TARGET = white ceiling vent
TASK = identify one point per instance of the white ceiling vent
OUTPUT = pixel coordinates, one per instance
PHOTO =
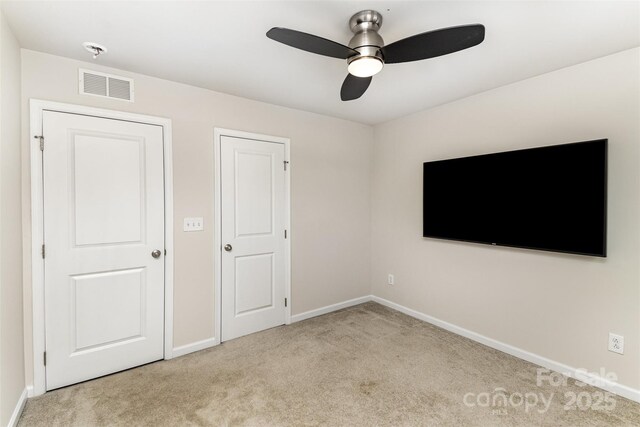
(105, 85)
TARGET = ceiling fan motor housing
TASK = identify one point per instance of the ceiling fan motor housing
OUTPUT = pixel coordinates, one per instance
(365, 24)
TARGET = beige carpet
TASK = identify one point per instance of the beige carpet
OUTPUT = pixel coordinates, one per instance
(366, 365)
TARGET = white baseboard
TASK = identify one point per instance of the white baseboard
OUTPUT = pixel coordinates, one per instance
(328, 309)
(596, 380)
(193, 347)
(210, 342)
(15, 417)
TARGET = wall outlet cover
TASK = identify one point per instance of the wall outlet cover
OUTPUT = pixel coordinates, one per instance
(616, 343)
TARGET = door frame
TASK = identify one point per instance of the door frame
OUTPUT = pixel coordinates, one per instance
(218, 133)
(37, 109)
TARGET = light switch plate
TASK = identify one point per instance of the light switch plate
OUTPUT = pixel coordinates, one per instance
(193, 224)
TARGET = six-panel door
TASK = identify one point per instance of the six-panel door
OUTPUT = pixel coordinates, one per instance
(103, 218)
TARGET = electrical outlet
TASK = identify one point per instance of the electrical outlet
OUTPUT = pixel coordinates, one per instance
(390, 279)
(616, 343)
(193, 224)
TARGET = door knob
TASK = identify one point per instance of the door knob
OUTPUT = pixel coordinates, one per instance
(228, 247)
(156, 253)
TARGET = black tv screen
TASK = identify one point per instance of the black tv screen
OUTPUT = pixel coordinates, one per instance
(550, 198)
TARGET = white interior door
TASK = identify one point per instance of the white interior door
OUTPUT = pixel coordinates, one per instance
(253, 235)
(103, 218)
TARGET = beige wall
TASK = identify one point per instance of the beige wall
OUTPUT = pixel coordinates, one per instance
(558, 306)
(11, 327)
(330, 186)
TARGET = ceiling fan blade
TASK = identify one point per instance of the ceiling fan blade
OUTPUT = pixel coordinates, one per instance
(354, 87)
(433, 43)
(310, 43)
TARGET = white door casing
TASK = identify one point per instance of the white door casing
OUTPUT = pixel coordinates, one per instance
(253, 218)
(104, 216)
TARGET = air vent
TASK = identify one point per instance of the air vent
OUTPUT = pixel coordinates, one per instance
(105, 85)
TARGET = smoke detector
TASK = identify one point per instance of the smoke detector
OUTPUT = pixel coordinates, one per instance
(95, 49)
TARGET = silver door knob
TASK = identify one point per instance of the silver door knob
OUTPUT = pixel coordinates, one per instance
(228, 247)
(156, 253)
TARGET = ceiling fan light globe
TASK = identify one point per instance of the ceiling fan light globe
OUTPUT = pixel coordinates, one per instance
(365, 66)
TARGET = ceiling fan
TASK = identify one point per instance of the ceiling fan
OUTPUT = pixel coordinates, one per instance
(367, 54)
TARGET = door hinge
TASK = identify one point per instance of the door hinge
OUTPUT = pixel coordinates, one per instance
(43, 251)
(285, 302)
(286, 162)
(45, 358)
(285, 234)
(41, 138)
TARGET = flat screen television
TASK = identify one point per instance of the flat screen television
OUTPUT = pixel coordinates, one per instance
(549, 198)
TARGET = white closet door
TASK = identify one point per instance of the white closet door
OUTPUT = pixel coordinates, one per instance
(104, 242)
(253, 226)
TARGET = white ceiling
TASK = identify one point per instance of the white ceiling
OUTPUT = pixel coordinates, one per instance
(222, 45)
